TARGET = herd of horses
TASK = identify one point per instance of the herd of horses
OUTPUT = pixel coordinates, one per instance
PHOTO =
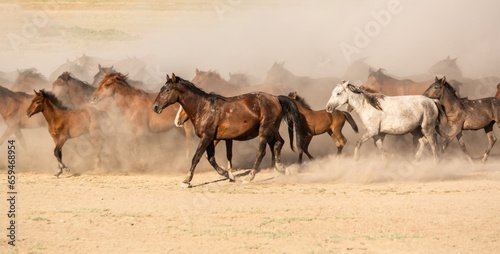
(215, 109)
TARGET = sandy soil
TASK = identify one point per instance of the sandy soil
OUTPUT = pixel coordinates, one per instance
(274, 214)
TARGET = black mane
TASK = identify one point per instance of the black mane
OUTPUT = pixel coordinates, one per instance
(302, 101)
(52, 98)
(196, 89)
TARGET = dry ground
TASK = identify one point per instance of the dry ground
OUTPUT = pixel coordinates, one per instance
(275, 214)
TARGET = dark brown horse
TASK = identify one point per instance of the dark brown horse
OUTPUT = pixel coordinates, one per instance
(316, 122)
(464, 114)
(388, 85)
(29, 79)
(12, 105)
(242, 117)
(66, 124)
(135, 105)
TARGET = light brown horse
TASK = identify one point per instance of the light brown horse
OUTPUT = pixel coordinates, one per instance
(211, 81)
(29, 79)
(497, 95)
(316, 122)
(12, 105)
(388, 85)
(242, 117)
(66, 124)
(135, 106)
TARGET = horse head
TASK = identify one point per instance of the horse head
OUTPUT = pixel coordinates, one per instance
(166, 96)
(339, 96)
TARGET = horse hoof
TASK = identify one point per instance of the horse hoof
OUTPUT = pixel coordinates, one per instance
(231, 177)
(185, 185)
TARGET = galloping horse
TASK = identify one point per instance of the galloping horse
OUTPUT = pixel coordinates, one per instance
(395, 115)
(65, 124)
(464, 114)
(316, 122)
(72, 91)
(12, 105)
(242, 117)
(135, 104)
(388, 85)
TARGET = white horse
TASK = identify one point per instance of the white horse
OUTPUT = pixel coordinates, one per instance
(395, 115)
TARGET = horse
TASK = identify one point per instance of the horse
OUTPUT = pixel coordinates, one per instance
(447, 67)
(306, 86)
(390, 86)
(394, 115)
(82, 67)
(497, 95)
(99, 76)
(242, 117)
(134, 105)
(316, 122)
(66, 124)
(464, 114)
(211, 81)
(29, 79)
(12, 105)
(244, 79)
(357, 71)
(72, 91)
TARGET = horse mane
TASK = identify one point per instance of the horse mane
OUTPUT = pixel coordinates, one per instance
(373, 99)
(5, 92)
(89, 90)
(301, 100)
(196, 89)
(452, 90)
(52, 98)
(368, 89)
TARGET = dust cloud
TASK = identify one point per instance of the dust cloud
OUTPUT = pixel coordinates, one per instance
(315, 39)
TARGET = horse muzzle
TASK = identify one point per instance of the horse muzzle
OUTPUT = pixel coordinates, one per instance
(157, 108)
(29, 113)
(330, 108)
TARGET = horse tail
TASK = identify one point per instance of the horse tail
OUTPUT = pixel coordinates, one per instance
(292, 116)
(351, 121)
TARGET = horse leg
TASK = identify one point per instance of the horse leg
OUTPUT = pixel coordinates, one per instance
(277, 146)
(260, 154)
(20, 136)
(6, 134)
(307, 141)
(188, 129)
(379, 142)
(363, 139)
(422, 141)
(211, 159)
(229, 156)
(205, 141)
(431, 137)
(96, 141)
(461, 141)
(58, 154)
(338, 138)
(491, 141)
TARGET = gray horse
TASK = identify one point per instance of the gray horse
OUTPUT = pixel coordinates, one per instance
(395, 115)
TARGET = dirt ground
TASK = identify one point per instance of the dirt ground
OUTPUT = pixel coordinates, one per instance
(94, 213)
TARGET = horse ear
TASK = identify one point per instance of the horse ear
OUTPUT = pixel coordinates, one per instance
(448, 58)
(36, 94)
(174, 79)
(66, 76)
(99, 66)
(294, 95)
(104, 71)
(436, 79)
(197, 71)
(443, 80)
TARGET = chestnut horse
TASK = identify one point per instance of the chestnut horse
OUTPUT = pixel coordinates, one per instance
(464, 114)
(12, 105)
(388, 85)
(29, 79)
(135, 106)
(66, 124)
(316, 122)
(242, 117)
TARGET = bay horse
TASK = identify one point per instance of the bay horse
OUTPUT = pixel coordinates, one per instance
(135, 104)
(316, 122)
(29, 79)
(390, 86)
(241, 117)
(464, 114)
(66, 124)
(394, 115)
(12, 105)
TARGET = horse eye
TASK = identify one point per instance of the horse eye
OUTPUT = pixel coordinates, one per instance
(338, 93)
(38, 102)
(107, 85)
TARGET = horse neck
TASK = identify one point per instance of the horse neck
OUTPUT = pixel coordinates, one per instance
(449, 100)
(76, 92)
(356, 101)
(191, 101)
(51, 112)
(123, 95)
